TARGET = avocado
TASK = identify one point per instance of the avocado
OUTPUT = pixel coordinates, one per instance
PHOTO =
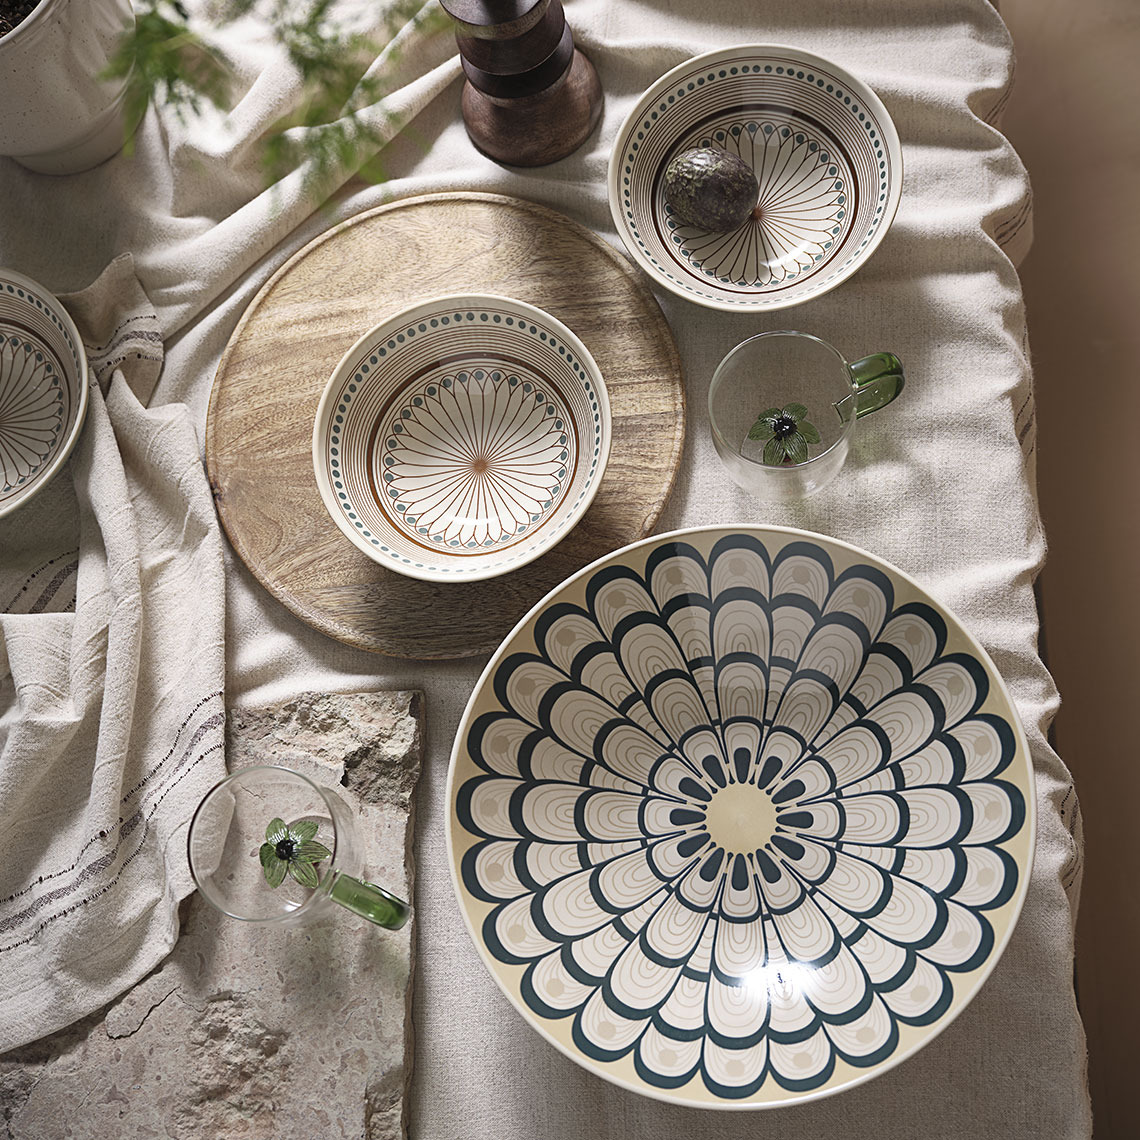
(710, 188)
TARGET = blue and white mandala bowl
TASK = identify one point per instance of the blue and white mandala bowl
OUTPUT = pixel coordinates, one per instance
(740, 817)
(462, 438)
(827, 161)
(43, 388)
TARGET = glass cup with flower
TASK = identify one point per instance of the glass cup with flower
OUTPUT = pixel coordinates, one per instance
(269, 845)
(783, 408)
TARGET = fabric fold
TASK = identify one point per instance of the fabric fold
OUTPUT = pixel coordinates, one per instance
(111, 706)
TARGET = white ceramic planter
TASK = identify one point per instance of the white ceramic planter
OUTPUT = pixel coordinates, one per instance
(56, 115)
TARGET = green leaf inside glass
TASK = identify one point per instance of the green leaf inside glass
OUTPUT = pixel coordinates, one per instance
(292, 850)
(786, 433)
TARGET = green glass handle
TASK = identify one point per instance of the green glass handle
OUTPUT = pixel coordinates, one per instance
(878, 379)
(371, 902)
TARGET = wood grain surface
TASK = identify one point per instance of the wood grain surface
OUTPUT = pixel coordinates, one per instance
(260, 421)
(537, 129)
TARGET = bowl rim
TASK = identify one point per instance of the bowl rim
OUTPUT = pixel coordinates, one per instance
(857, 87)
(409, 313)
(82, 382)
(760, 530)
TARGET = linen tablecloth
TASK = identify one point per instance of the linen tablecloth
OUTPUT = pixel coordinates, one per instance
(112, 668)
(942, 484)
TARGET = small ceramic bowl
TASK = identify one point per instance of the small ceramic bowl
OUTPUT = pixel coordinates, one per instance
(827, 160)
(462, 438)
(43, 388)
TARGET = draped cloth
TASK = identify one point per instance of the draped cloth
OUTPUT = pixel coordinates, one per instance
(941, 484)
(112, 670)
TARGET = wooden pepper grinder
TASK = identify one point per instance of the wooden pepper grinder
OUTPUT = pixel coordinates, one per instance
(530, 97)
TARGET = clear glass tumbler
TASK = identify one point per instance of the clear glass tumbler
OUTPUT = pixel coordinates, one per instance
(253, 824)
(775, 371)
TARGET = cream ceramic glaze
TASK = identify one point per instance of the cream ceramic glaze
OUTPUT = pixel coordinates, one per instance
(462, 438)
(43, 388)
(58, 117)
(740, 817)
(828, 165)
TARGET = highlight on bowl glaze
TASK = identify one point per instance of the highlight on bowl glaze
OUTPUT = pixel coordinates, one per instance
(462, 438)
(825, 153)
(740, 817)
(43, 388)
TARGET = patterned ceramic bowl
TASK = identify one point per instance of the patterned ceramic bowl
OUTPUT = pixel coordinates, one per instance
(462, 438)
(826, 157)
(740, 817)
(43, 388)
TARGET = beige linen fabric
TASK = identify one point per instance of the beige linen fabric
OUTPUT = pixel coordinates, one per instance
(111, 678)
(941, 483)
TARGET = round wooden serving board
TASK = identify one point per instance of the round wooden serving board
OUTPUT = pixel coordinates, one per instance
(260, 422)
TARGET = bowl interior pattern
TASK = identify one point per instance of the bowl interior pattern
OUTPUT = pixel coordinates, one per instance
(826, 157)
(462, 438)
(42, 388)
(740, 817)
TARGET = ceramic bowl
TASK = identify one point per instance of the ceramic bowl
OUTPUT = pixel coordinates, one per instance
(462, 438)
(43, 388)
(826, 156)
(740, 817)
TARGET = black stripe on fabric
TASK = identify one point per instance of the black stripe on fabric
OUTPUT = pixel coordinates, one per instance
(35, 574)
(102, 349)
(53, 587)
(98, 866)
(187, 748)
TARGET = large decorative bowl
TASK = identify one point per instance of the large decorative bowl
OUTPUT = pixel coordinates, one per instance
(740, 817)
(43, 388)
(826, 156)
(462, 438)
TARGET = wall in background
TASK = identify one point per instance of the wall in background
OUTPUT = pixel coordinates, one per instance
(1075, 119)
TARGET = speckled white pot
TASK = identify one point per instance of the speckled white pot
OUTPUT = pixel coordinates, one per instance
(58, 117)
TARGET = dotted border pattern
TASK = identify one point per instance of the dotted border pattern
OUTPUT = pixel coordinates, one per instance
(49, 371)
(48, 312)
(728, 72)
(14, 495)
(359, 374)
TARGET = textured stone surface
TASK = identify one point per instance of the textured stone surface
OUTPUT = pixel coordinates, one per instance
(246, 1033)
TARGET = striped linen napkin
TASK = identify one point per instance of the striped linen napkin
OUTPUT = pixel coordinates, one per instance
(111, 684)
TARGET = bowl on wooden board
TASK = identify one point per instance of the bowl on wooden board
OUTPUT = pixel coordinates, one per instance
(462, 438)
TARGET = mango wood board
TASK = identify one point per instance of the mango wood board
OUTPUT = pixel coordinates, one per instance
(260, 421)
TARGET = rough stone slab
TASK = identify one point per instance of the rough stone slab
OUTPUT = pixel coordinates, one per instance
(246, 1033)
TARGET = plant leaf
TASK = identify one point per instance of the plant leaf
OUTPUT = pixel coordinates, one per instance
(304, 829)
(774, 452)
(312, 852)
(271, 867)
(796, 411)
(765, 424)
(164, 62)
(305, 874)
(808, 431)
(276, 830)
(795, 447)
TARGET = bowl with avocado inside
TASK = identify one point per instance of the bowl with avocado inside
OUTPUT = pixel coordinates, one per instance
(824, 158)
